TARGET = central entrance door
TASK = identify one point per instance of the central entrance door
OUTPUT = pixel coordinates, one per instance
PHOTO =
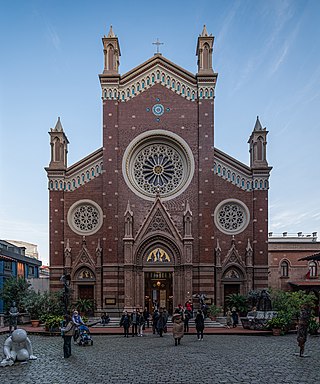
(158, 290)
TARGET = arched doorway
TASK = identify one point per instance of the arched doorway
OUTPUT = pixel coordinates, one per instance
(232, 282)
(158, 279)
(85, 282)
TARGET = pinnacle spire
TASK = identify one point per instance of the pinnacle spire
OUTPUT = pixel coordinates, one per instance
(258, 126)
(204, 31)
(58, 127)
(111, 33)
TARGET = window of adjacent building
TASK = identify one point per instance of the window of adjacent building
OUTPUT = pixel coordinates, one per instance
(7, 265)
(284, 269)
(313, 269)
(31, 270)
(20, 269)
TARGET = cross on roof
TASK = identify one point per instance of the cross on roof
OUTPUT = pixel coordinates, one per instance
(157, 43)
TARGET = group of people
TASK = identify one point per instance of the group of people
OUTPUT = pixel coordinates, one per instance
(137, 320)
(232, 318)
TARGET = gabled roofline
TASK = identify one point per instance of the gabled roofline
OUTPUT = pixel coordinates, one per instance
(161, 60)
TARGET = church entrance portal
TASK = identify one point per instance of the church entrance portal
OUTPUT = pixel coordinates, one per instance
(158, 290)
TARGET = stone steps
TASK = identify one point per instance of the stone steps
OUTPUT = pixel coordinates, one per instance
(115, 322)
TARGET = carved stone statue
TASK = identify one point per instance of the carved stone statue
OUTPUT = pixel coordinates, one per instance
(17, 347)
(13, 317)
(264, 301)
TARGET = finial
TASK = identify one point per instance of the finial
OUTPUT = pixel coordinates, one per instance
(258, 126)
(58, 127)
(204, 31)
(111, 33)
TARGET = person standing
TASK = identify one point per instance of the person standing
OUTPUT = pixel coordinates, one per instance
(161, 323)
(228, 318)
(146, 315)
(134, 323)
(186, 319)
(177, 329)
(125, 323)
(199, 321)
(235, 317)
(141, 323)
(67, 331)
(155, 318)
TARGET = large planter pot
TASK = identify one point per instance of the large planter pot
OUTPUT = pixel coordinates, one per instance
(276, 331)
(35, 323)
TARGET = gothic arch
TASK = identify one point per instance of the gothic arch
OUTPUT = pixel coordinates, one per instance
(158, 241)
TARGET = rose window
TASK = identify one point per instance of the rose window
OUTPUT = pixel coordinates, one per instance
(157, 165)
(85, 217)
(231, 217)
(158, 169)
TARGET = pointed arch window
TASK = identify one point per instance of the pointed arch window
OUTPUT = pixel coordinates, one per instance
(284, 269)
(312, 269)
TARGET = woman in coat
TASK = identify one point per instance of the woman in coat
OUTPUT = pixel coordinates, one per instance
(199, 321)
(177, 329)
(67, 332)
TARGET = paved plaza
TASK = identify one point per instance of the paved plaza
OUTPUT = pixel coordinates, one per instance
(151, 359)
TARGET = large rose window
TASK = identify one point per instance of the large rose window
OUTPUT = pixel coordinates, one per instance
(158, 163)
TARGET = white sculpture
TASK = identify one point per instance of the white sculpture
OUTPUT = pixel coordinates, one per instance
(17, 347)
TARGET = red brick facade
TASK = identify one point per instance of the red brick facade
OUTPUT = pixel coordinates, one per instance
(108, 259)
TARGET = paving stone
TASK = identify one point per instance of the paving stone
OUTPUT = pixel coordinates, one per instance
(151, 359)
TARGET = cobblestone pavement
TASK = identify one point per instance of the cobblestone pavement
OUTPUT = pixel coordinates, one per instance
(151, 359)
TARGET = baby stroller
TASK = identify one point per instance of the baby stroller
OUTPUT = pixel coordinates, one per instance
(84, 336)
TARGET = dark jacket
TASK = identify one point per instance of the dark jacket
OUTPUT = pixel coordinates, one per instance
(125, 321)
(199, 321)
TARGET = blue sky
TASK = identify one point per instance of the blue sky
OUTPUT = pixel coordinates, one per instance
(267, 54)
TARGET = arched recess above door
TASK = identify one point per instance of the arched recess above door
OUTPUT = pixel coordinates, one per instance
(161, 243)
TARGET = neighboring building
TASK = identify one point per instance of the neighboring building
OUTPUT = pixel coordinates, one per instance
(31, 250)
(158, 213)
(14, 263)
(286, 270)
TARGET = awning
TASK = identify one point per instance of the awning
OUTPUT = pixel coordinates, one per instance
(316, 256)
(306, 283)
(6, 258)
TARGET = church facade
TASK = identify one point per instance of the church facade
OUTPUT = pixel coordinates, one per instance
(158, 213)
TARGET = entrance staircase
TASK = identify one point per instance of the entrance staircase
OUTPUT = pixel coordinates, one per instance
(115, 323)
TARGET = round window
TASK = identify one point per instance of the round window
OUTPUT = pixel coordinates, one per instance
(231, 216)
(158, 162)
(85, 217)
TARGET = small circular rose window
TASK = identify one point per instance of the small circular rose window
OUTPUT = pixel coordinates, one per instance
(85, 217)
(231, 216)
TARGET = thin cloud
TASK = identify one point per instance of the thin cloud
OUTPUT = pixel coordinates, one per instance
(54, 37)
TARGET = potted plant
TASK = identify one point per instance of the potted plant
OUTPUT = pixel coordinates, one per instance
(278, 325)
(84, 306)
(53, 323)
(213, 311)
(33, 303)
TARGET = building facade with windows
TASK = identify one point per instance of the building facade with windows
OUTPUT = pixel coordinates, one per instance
(286, 269)
(14, 263)
(158, 213)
